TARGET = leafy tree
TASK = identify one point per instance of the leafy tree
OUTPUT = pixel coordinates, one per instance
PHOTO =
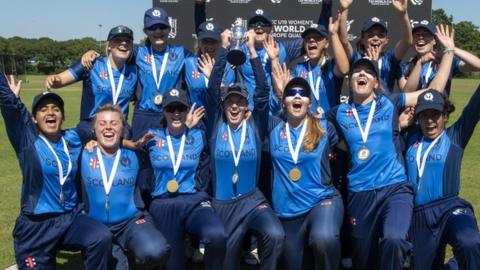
(440, 17)
(467, 37)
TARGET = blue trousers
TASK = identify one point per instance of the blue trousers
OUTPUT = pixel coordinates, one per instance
(138, 239)
(379, 223)
(449, 221)
(251, 215)
(193, 214)
(36, 240)
(142, 121)
(313, 240)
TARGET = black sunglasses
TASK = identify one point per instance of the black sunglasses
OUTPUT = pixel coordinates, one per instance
(176, 108)
(157, 26)
(259, 24)
(294, 91)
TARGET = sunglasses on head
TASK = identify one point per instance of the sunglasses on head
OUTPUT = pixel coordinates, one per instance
(176, 108)
(158, 26)
(296, 91)
(259, 24)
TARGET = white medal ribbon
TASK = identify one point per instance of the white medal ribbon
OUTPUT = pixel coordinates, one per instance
(115, 90)
(61, 177)
(206, 81)
(295, 153)
(265, 59)
(380, 62)
(365, 132)
(316, 86)
(107, 182)
(236, 155)
(175, 162)
(158, 78)
(421, 165)
(427, 75)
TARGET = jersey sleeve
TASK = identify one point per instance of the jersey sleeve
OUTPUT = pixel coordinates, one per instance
(78, 71)
(333, 123)
(332, 134)
(261, 96)
(398, 100)
(462, 130)
(21, 130)
(202, 175)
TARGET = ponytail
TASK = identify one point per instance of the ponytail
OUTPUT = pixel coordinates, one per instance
(313, 134)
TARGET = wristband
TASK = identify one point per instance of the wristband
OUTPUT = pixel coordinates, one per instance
(448, 50)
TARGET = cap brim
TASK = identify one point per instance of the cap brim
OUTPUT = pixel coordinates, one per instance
(433, 32)
(259, 18)
(173, 101)
(424, 107)
(364, 61)
(156, 22)
(375, 24)
(229, 93)
(298, 81)
(49, 95)
(314, 31)
(210, 35)
(121, 35)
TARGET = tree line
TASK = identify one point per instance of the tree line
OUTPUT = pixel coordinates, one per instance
(47, 56)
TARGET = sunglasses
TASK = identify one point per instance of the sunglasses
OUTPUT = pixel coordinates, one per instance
(176, 108)
(259, 24)
(158, 26)
(295, 91)
(367, 74)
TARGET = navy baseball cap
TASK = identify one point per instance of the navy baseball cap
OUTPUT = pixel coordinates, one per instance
(175, 96)
(429, 26)
(155, 16)
(235, 89)
(120, 30)
(316, 28)
(430, 100)
(298, 82)
(47, 95)
(210, 29)
(259, 15)
(373, 22)
(365, 61)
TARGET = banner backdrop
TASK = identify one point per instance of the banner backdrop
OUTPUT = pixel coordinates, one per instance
(290, 17)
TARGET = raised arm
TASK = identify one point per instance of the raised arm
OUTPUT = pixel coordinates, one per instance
(446, 38)
(407, 39)
(342, 65)
(470, 62)
(62, 79)
(410, 83)
(280, 78)
(342, 30)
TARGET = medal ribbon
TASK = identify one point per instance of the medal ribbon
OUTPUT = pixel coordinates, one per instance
(369, 121)
(61, 177)
(175, 161)
(421, 165)
(115, 90)
(107, 182)
(236, 155)
(316, 86)
(427, 75)
(158, 78)
(295, 153)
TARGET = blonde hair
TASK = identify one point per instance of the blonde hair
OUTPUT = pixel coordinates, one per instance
(110, 108)
(313, 134)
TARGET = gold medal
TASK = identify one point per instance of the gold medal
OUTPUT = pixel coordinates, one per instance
(320, 111)
(158, 99)
(295, 174)
(363, 153)
(172, 186)
(235, 176)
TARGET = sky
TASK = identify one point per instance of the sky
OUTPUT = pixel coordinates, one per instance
(67, 19)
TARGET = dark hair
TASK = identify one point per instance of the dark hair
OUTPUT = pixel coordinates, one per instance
(449, 107)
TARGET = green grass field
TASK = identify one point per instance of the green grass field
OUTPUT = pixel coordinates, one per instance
(10, 178)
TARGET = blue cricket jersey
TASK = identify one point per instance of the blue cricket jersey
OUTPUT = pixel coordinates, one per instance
(429, 70)
(171, 78)
(330, 85)
(441, 176)
(389, 68)
(192, 176)
(196, 81)
(385, 165)
(40, 185)
(122, 203)
(97, 89)
(290, 198)
(221, 152)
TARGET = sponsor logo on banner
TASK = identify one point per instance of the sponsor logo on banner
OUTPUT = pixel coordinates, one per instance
(173, 25)
(239, 1)
(310, 2)
(417, 2)
(276, 1)
(351, 37)
(380, 2)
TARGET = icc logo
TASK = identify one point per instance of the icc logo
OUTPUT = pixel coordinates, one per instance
(173, 25)
(417, 2)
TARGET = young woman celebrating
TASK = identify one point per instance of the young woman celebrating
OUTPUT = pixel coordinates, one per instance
(51, 217)
(180, 204)
(109, 178)
(110, 80)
